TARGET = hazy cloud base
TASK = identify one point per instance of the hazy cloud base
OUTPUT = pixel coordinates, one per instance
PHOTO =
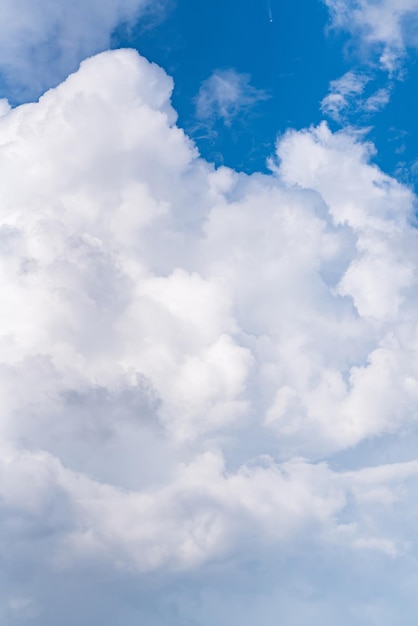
(190, 360)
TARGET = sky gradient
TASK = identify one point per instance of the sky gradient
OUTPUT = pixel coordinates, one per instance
(209, 329)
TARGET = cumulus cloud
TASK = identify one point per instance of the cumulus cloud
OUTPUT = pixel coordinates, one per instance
(226, 94)
(187, 351)
(42, 41)
(387, 27)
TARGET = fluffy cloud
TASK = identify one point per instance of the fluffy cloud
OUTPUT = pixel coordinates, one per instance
(187, 353)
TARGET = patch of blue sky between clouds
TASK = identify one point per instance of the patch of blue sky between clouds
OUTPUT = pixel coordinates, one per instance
(303, 58)
(290, 59)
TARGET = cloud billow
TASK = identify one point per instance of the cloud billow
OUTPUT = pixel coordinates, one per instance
(185, 350)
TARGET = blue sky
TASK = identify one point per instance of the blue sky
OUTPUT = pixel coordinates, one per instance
(292, 59)
(208, 320)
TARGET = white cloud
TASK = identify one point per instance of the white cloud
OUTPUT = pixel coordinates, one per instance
(346, 97)
(226, 94)
(180, 346)
(42, 41)
(342, 91)
(387, 27)
(378, 100)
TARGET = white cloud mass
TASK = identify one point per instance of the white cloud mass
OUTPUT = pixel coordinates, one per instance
(193, 364)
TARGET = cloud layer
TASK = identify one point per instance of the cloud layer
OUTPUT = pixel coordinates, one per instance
(187, 353)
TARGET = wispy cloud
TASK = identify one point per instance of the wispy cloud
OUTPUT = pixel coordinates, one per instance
(347, 97)
(342, 93)
(225, 95)
(377, 101)
(386, 28)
